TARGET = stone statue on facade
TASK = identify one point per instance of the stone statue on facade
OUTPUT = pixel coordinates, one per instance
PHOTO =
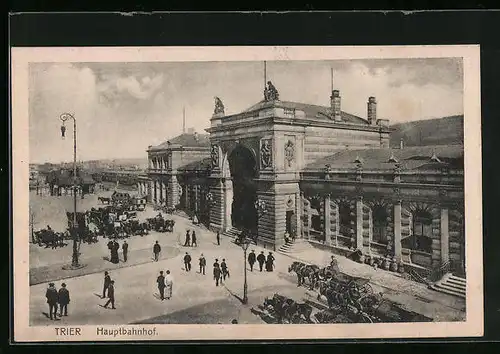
(219, 106)
(215, 155)
(289, 152)
(265, 154)
(270, 92)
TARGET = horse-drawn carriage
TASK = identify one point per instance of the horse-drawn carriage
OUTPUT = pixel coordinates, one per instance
(343, 289)
(139, 203)
(49, 238)
(160, 224)
(280, 309)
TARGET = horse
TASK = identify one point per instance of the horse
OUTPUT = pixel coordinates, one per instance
(304, 271)
(289, 309)
(104, 200)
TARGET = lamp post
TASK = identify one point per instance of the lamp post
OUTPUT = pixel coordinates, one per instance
(260, 207)
(64, 117)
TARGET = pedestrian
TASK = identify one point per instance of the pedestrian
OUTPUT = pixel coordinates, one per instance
(193, 239)
(125, 250)
(161, 285)
(261, 258)
(114, 252)
(187, 262)
(251, 259)
(186, 242)
(270, 262)
(169, 284)
(107, 281)
(52, 299)
(111, 295)
(63, 297)
(223, 267)
(203, 263)
(156, 251)
(217, 272)
(218, 238)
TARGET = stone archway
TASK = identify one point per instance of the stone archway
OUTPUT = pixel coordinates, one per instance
(243, 171)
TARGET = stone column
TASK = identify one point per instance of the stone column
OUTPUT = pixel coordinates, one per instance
(157, 191)
(359, 223)
(328, 217)
(228, 203)
(445, 236)
(186, 197)
(165, 196)
(150, 191)
(397, 231)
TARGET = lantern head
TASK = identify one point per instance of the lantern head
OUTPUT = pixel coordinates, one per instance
(63, 130)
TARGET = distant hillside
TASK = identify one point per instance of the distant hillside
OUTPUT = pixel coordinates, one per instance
(440, 131)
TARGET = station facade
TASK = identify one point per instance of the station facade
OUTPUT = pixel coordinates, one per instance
(322, 174)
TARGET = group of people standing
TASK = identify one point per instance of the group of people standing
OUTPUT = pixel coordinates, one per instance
(113, 247)
(190, 240)
(55, 298)
(165, 285)
(261, 259)
(220, 272)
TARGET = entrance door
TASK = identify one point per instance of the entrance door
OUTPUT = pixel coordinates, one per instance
(289, 220)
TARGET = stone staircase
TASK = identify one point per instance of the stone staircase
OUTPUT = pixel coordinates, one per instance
(297, 246)
(451, 285)
(232, 233)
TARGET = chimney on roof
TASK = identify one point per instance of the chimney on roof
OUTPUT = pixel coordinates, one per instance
(372, 110)
(335, 105)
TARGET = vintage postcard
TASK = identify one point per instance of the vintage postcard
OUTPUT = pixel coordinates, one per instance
(232, 193)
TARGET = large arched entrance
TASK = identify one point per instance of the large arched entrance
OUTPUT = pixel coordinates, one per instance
(243, 168)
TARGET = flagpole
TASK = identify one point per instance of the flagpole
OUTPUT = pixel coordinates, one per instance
(331, 78)
(265, 74)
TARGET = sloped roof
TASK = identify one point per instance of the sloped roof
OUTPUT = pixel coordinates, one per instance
(409, 158)
(186, 140)
(311, 110)
(200, 165)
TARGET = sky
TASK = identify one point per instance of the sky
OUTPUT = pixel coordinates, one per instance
(122, 108)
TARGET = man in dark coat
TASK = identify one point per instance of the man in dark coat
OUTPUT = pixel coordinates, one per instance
(161, 285)
(63, 300)
(270, 262)
(203, 263)
(187, 241)
(114, 252)
(193, 239)
(107, 281)
(261, 258)
(223, 268)
(111, 295)
(187, 262)
(251, 259)
(217, 272)
(125, 250)
(52, 299)
(218, 238)
(156, 251)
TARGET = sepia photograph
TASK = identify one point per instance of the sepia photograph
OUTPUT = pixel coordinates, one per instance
(264, 191)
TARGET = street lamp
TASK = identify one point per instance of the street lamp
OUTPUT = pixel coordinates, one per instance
(245, 241)
(64, 117)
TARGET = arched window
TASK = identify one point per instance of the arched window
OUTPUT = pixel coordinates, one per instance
(422, 232)
(345, 218)
(380, 222)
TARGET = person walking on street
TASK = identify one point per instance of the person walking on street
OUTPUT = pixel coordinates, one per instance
(218, 238)
(52, 299)
(111, 295)
(217, 272)
(114, 252)
(187, 241)
(161, 285)
(125, 250)
(193, 239)
(203, 263)
(251, 259)
(63, 298)
(107, 281)
(261, 258)
(270, 262)
(169, 284)
(223, 267)
(156, 251)
(187, 262)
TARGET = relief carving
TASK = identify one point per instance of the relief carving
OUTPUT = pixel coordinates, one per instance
(289, 152)
(266, 153)
(215, 155)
